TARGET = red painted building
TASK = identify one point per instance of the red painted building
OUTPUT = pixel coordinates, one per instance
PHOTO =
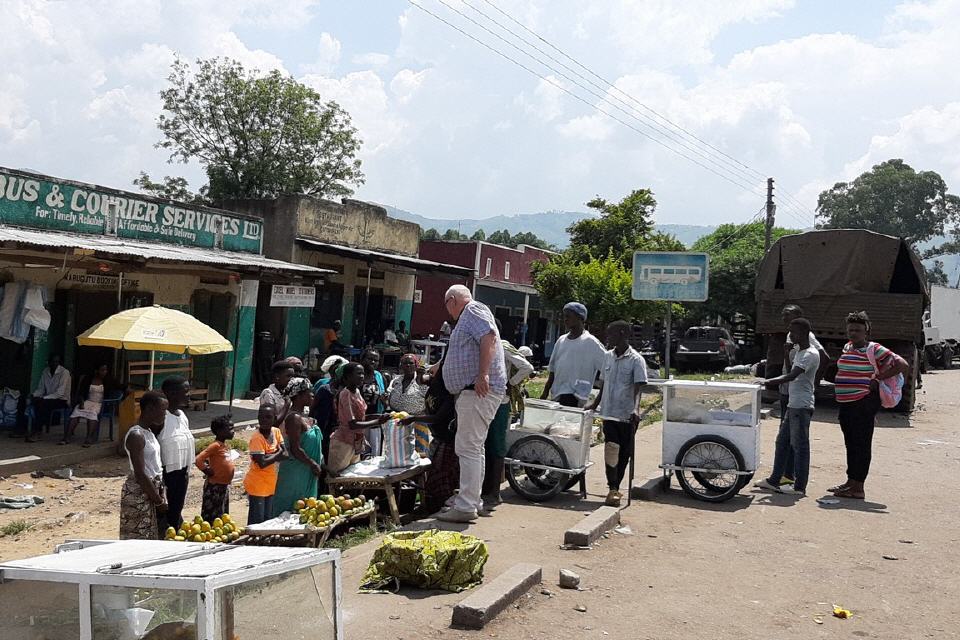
(501, 279)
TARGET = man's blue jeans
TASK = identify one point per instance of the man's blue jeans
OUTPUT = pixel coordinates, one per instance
(794, 434)
(260, 509)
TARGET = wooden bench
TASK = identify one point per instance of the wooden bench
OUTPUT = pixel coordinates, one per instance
(184, 367)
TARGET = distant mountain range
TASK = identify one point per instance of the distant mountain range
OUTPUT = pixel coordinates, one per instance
(550, 226)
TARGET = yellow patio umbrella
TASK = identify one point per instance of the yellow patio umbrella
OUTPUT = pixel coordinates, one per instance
(154, 329)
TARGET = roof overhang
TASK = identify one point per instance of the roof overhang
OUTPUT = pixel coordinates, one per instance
(387, 260)
(74, 247)
(509, 286)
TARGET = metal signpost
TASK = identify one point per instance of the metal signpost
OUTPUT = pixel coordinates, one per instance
(670, 276)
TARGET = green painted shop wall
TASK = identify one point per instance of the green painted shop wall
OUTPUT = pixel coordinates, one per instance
(346, 321)
(41, 351)
(404, 312)
(244, 353)
(298, 332)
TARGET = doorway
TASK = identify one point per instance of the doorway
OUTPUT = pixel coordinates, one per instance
(214, 310)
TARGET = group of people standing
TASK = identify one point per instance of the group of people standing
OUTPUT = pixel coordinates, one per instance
(861, 368)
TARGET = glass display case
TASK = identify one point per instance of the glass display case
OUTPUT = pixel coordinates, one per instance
(569, 427)
(157, 590)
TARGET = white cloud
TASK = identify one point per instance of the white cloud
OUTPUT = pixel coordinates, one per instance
(547, 100)
(328, 55)
(229, 45)
(406, 83)
(371, 59)
(592, 128)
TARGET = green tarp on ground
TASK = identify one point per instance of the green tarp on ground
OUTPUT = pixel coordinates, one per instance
(445, 560)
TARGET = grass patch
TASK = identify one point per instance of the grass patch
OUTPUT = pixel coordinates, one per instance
(14, 528)
(353, 538)
(236, 443)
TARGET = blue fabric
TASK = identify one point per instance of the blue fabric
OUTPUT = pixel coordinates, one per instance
(794, 432)
(576, 308)
(261, 508)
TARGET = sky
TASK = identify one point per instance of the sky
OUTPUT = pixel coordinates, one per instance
(810, 92)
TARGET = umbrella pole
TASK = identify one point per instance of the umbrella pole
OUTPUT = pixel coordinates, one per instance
(150, 381)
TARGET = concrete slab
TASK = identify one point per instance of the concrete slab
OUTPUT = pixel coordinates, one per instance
(592, 527)
(650, 489)
(483, 605)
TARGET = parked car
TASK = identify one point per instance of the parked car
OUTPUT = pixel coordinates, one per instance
(706, 347)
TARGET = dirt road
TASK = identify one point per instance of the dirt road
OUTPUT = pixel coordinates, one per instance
(759, 566)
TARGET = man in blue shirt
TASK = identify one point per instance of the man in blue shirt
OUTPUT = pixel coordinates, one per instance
(474, 371)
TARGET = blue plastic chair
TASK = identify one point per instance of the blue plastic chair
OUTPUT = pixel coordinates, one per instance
(31, 413)
(109, 409)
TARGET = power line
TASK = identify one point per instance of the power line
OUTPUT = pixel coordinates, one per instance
(733, 180)
(740, 229)
(796, 204)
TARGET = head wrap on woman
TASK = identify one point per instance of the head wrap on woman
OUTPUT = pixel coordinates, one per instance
(296, 386)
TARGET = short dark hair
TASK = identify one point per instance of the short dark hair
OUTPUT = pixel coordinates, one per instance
(368, 351)
(280, 366)
(792, 309)
(172, 383)
(803, 323)
(151, 399)
(220, 422)
(858, 317)
(350, 367)
(620, 324)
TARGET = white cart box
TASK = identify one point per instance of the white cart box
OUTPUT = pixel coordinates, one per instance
(158, 590)
(571, 428)
(729, 410)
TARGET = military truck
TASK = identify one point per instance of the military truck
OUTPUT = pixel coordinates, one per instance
(830, 273)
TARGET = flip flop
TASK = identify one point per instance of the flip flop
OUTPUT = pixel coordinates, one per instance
(839, 487)
(847, 493)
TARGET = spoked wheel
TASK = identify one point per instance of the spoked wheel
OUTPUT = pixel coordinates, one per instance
(711, 452)
(537, 485)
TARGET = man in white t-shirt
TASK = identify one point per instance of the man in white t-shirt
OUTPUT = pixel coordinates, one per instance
(575, 362)
(790, 313)
(794, 436)
(177, 450)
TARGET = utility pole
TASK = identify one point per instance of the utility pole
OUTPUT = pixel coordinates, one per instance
(771, 211)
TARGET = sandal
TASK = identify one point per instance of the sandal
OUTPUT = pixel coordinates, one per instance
(849, 493)
(839, 487)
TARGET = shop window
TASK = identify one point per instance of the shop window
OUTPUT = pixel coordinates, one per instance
(374, 275)
(489, 267)
(506, 270)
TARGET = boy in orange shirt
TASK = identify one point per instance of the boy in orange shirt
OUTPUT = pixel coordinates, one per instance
(215, 463)
(266, 452)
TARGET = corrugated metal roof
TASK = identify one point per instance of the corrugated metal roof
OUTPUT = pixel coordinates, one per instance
(388, 258)
(230, 260)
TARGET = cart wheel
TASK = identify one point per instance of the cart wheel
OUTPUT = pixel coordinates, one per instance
(711, 452)
(537, 485)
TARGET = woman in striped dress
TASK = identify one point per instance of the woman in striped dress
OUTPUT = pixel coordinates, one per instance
(858, 396)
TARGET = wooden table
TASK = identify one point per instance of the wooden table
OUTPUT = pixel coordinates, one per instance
(363, 475)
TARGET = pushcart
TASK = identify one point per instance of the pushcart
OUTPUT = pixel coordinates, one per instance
(711, 436)
(548, 450)
(159, 590)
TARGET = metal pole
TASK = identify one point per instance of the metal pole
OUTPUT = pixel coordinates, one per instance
(150, 381)
(366, 306)
(526, 315)
(771, 211)
(236, 349)
(116, 353)
(667, 340)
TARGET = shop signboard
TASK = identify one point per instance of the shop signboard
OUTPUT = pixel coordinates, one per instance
(101, 281)
(670, 275)
(42, 202)
(293, 296)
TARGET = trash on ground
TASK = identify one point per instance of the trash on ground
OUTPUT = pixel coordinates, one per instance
(840, 612)
(827, 501)
(886, 557)
(623, 530)
(64, 474)
(580, 608)
(23, 485)
(905, 541)
(20, 502)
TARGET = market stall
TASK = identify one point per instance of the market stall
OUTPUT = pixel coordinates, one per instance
(548, 451)
(298, 529)
(711, 436)
(370, 474)
(157, 590)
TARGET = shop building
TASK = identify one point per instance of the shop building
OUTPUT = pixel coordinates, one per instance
(501, 278)
(89, 251)
(373, 258)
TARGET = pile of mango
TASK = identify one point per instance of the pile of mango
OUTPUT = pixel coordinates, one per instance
(222, 529)
(322, 511)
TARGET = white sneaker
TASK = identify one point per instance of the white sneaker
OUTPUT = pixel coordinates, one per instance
(455, 515)
(769, 486)
(790, 491)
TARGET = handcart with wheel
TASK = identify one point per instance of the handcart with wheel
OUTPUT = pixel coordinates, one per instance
(711, 436)
(548, 451)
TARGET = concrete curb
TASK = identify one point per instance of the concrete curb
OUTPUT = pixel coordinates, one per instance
(592, 527)
(650, 489)
(71, 456)
(483, 605)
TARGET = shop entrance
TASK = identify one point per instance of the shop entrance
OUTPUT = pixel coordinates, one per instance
(214, 310)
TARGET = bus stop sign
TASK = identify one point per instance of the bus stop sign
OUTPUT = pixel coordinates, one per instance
(670, 275)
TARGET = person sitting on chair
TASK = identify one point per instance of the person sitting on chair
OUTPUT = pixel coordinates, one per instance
(52, 394)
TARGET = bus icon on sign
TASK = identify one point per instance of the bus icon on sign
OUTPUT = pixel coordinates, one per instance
(657, 274)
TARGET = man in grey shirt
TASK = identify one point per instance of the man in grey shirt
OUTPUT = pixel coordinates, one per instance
(795, 427)
(575, 361)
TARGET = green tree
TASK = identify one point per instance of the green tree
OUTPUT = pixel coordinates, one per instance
(429, 234)
(257, 135)
(892, 199)
(172, 188)
(735, 252)
(936, 274)
(597, 267)
(453, 234)
(479, 235)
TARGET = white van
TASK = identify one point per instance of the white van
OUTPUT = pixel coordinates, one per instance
(657, 274)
